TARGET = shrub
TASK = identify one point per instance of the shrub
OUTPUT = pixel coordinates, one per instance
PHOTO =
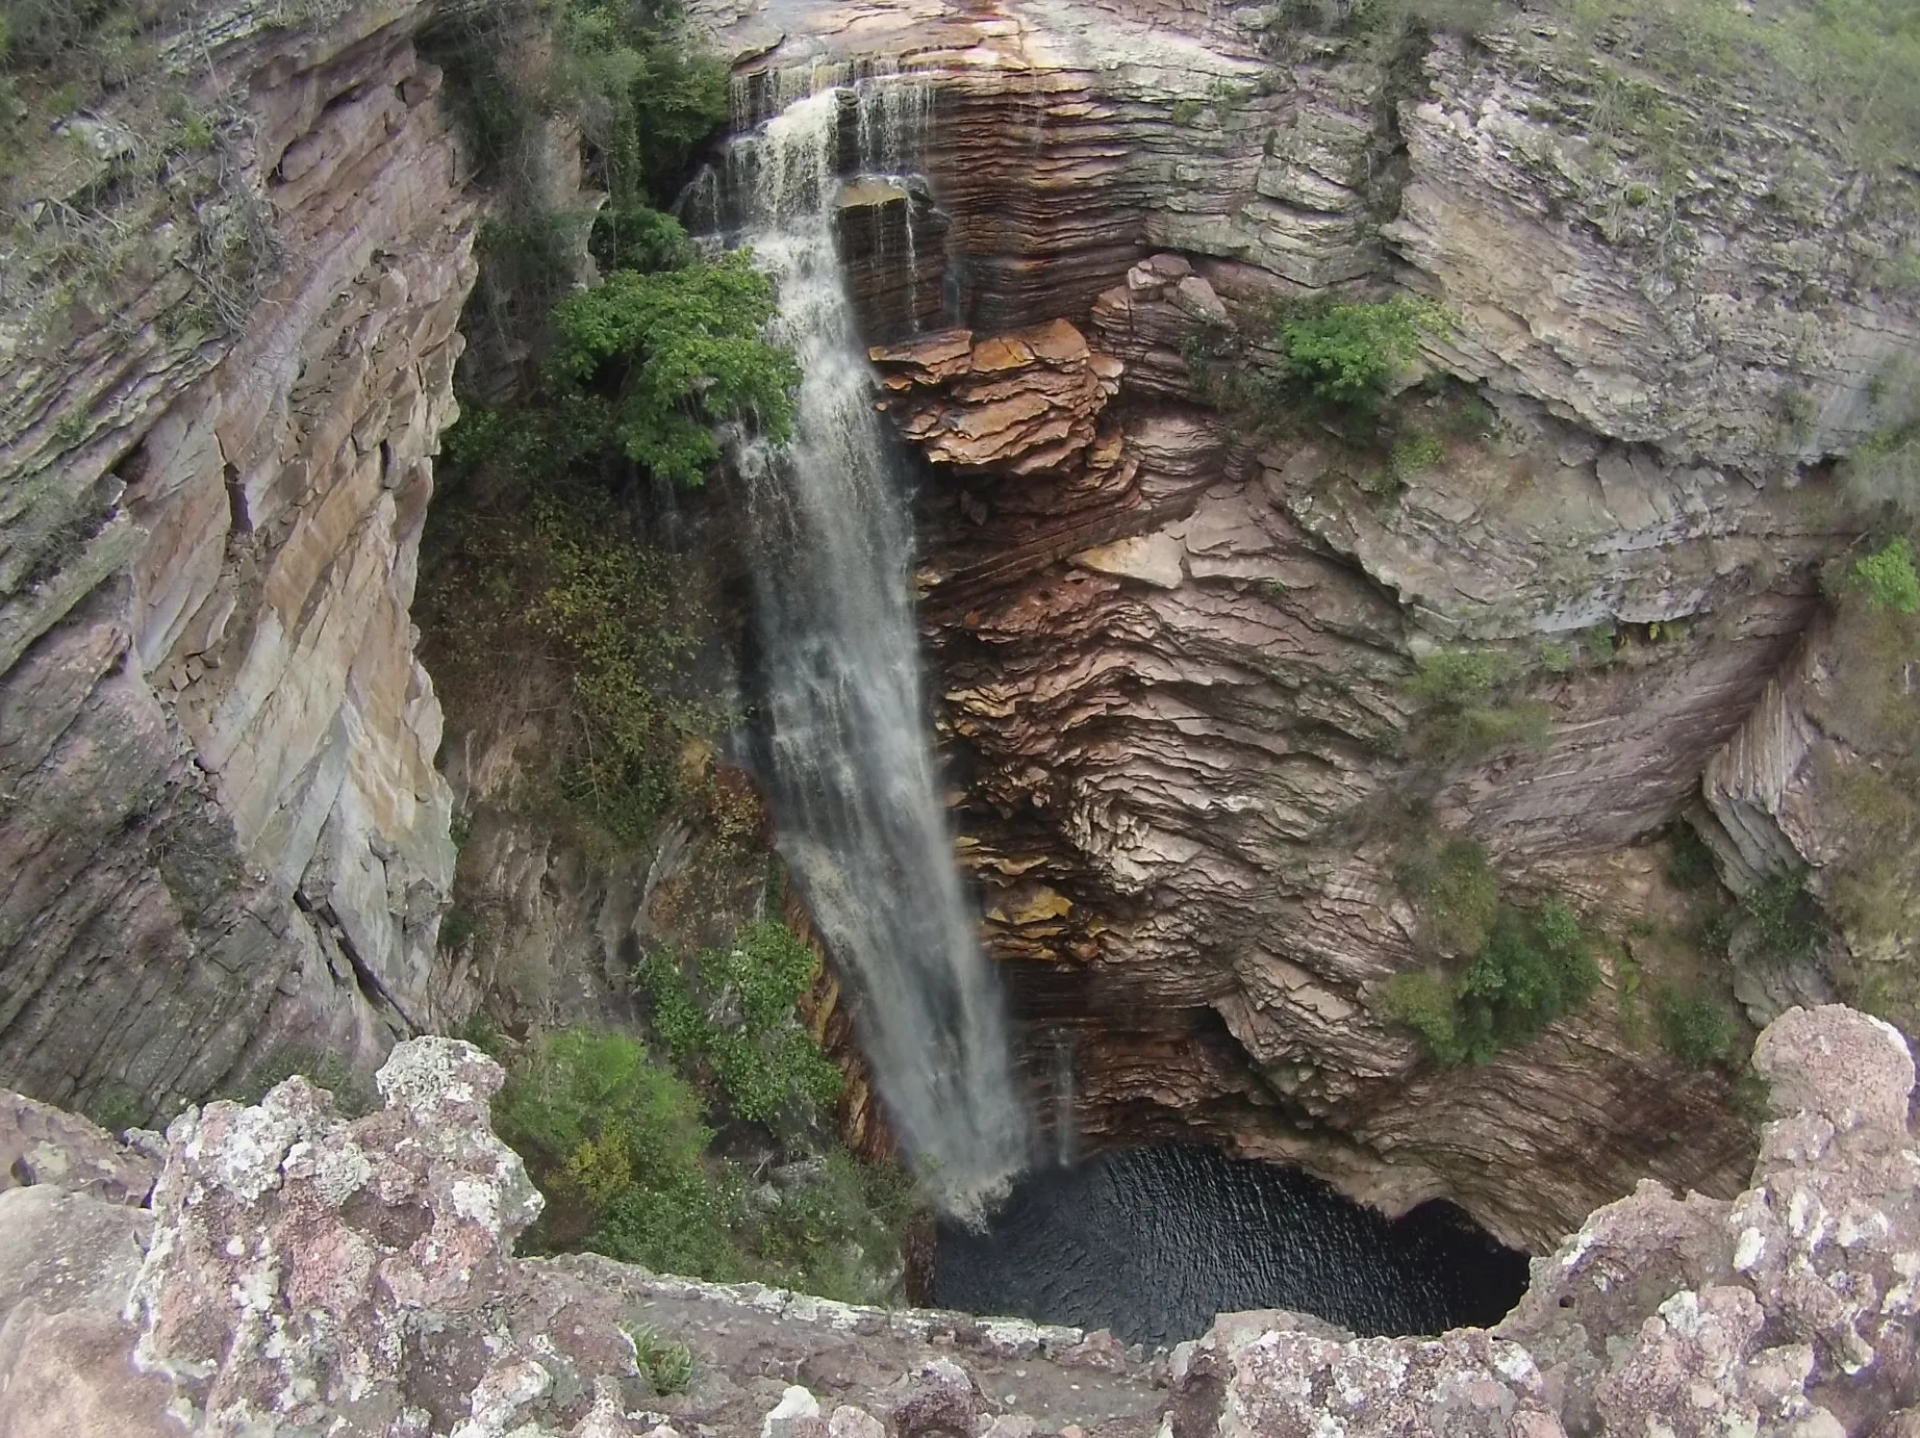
(643, 89)
(825, 1230)
(732, 1010)
(1532, 969)
(1350, 354)
(660, 359)
(1884, 473)
(457, 925)
(1887, 579)
(1694, 1028)
(1461, 717)
(617, 1142)
(1415, 454)
(1780, 918)
(1425, 1003)
(639, 238)
(1456, 678)
(1691, 864)
(1455, 890)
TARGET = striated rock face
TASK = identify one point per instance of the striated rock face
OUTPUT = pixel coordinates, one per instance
(1183, 788)
(225, 842)
(298, 1274)
(1176, 651)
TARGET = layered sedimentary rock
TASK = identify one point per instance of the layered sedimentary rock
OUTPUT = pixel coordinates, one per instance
(1176, 645)
(1197, 811)
(299, 1273)
(224, 839)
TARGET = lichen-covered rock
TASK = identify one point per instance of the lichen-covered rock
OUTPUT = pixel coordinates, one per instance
(299, 1261)
(41, 1144)
(67, 1262)
(310, 1276)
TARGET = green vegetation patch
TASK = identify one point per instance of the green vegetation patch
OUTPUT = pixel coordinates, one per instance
(531, 566)
(655, 361)
(1780, 918)
(666, 1365)
(1532, 968)
(618, 1143)
(1694, 1028)
(1454, 888)
(730, 1011)
(1887, 579)
(1350, 354)
(1465, 709)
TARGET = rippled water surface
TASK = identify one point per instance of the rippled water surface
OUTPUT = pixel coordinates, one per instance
(1152, 1243)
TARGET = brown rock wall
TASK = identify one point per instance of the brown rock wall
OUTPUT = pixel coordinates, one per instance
(227, 843)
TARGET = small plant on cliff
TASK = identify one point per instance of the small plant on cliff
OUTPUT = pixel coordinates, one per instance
(1464, 714)
(1454, 888)
(1690, 866)
(731, 1010)
(1693, 1028)
(666, 1365)
(1350, 354)
(1887, 579)
(1779, 917)
(1532, 968)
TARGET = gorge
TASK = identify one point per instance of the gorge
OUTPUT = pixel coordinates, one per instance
(1264, 725)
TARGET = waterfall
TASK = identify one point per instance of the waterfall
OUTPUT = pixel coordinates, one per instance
(856, 799)
(1063, 1134)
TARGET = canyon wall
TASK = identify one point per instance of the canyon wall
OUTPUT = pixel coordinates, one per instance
(1177, 645)
(229, 328)
(1174, 647)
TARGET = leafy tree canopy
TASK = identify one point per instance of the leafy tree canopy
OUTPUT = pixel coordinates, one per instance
(672, 354)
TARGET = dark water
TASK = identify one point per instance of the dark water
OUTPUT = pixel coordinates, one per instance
(1152, 1243)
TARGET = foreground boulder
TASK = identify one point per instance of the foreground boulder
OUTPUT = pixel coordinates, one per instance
(296, 1273)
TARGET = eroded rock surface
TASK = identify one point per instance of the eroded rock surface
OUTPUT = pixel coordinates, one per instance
(303, 1274)
(225, 843)
(1176, 653)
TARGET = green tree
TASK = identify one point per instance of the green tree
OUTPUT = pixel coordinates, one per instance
(643, 90)
(640, 238)
(733, 1010)
(665, 357)
(1533, 968)
(1887, 577)
(1350, 354)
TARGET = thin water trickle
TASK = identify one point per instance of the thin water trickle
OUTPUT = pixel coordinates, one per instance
(851, 775)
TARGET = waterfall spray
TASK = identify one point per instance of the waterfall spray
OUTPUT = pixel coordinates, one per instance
(855, 796)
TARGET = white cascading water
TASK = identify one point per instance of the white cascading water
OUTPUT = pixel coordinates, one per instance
(855, 794)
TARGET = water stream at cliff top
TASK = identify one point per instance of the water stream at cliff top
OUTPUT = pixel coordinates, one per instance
(850, 772)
